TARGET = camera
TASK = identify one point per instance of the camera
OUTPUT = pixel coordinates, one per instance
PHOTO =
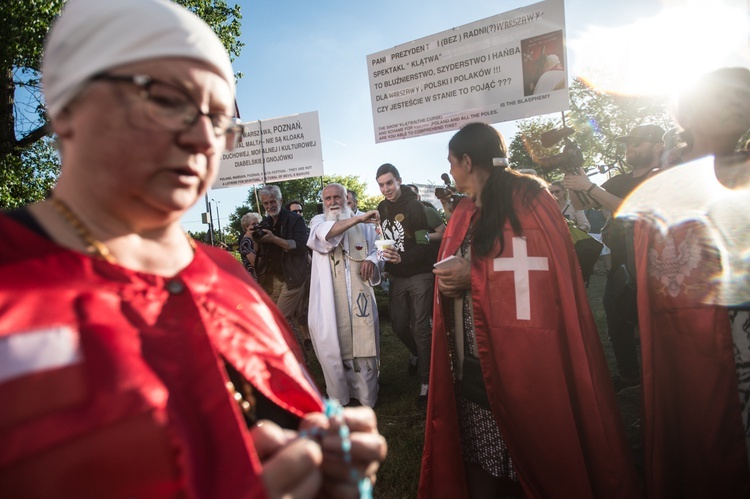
(569, 161)
(258, 230)
(571, 157)
(448, 195)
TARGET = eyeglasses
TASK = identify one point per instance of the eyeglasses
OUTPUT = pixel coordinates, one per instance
(297, 211)
(556, 191)
(173, 109)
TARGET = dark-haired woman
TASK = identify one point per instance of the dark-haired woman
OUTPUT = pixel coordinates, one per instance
(522, 402)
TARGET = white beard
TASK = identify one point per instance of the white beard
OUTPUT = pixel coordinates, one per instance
(341, 214)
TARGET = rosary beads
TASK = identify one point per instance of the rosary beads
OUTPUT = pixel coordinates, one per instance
(333, 409)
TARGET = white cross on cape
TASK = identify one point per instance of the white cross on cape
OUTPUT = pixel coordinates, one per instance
(521, 264)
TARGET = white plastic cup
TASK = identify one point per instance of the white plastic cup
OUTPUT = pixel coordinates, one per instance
(382, 244)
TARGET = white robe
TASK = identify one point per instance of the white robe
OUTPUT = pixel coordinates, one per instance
(341, 384)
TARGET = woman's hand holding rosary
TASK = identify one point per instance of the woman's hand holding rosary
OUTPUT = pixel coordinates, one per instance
(335, 454)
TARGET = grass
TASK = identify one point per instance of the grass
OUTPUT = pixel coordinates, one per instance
(399, 419)
(402, 423)
(629, 400)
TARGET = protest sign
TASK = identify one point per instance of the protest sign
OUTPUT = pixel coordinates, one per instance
(502, 68)
(274, 150)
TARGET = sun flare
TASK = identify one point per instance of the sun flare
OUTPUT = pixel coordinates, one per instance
(661, 54)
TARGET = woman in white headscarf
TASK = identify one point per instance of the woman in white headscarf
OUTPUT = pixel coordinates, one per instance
(131, 359)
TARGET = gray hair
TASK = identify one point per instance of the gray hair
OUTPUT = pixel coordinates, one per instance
(270, 190)
(249, 218)
(340, 187)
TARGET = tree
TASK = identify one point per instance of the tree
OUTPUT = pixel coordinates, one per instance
(27, 169)
(526, 144)
(598, 118)
(28, 163)
(367, 203)
(307, 190)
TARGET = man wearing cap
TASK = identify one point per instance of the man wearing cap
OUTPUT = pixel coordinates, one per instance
(644, 146)
(133, 361)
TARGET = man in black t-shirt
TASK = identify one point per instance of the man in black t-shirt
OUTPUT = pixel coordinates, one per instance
(644, 146)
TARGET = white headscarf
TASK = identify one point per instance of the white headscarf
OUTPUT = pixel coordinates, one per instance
(92, 36)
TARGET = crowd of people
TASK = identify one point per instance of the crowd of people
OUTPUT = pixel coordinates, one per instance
(137, 363)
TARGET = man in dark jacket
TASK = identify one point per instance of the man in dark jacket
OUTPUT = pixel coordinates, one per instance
(284, 266)
(403, 220)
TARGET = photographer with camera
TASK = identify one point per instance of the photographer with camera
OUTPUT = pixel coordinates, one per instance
(644, 145)
(448, 196)
(249, 222)
(283, 263)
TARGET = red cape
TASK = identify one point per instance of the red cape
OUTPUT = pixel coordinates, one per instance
(547, 379)
(693, 435)
(141, 409)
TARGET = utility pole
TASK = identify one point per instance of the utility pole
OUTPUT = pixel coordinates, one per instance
(218, 221)
(210, 222)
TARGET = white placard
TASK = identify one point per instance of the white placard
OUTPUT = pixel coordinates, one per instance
(502, 68)
(290, 150)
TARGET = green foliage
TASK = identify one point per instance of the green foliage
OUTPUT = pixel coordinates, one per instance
(28, 165)
(526, 146)
(28, 176)
(367, 203)
(307, 190)
(198, 235)
(227, 237)
(24, 26)
(230, 238)
(598, 118)
(223, 19)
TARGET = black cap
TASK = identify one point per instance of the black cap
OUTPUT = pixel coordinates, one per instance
(649, 133)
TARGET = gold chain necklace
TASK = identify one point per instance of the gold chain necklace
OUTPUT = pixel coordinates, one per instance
(244, 396)
(94, 246)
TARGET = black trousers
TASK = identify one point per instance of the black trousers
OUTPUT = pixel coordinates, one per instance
(621, 331)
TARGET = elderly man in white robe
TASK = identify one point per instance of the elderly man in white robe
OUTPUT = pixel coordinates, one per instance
(343, 317)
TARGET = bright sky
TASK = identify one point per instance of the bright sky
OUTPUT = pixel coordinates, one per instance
(302, 56)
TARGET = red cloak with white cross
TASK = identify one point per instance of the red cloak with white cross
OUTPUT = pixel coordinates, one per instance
(693, 435)
(543, 365)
